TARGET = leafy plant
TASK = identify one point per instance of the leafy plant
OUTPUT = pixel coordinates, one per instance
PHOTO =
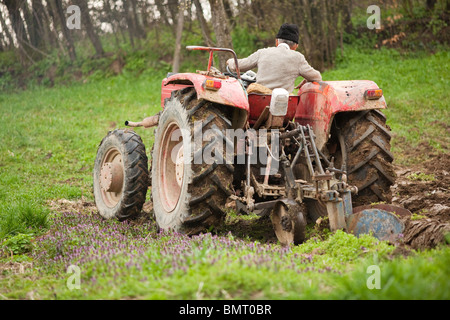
(417, 216)
(420, 176)
(18, 244)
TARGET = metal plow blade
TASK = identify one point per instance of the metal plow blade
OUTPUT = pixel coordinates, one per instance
(382, 221)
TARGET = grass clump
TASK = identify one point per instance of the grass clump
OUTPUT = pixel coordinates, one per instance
(342, 247)
(26, 217)
(418, 277)
(420, 176)
(18, 244)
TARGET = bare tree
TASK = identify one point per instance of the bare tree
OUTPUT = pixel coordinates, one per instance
(17, 22)
(130, 19)
(60, 18)
(18, 25)
(137, 27)
(41, 24)
(179, 31)
(163, 13)
(6, 31)
(88, 26)
(221, 29)
(206, 33)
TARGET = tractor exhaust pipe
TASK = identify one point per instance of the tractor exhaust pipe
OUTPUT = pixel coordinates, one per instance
(146, 123)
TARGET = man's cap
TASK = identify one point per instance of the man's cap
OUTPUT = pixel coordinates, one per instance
(288, 32)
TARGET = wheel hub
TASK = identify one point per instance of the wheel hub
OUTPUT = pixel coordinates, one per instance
(286, 223)
(111, 177)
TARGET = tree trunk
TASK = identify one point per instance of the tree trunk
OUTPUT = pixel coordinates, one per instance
(58, 11)
(111, 20)
(228, 12)
(180, 23)
(163, 15)
(31, 27)
(117, 18)
(6, 31)
(87, 24)
(140, 33)
(172, 6)
(346, 9)
(49, 13)
(221, 29)
(129, 20)
(17, 23)
(206, 33)
(18, 26)
(430, 4)
(41, 24)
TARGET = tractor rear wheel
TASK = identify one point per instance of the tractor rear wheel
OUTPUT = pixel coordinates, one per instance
(365, 148)
(191, 180)
(120, 175)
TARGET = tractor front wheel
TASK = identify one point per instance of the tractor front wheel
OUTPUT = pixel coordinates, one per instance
(120, 175)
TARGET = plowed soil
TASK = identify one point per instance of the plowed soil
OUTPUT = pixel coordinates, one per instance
(424, 189)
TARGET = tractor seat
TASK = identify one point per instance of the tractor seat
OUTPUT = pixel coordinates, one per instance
(259, 98)
(258, 89)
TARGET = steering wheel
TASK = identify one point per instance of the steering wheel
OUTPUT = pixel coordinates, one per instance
(233, 74)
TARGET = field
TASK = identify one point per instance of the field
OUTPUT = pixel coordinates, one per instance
(48, 220)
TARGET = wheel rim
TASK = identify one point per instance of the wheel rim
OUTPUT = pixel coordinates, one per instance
(111, 177)
(283, 226)
(288, 224)
(171, 160)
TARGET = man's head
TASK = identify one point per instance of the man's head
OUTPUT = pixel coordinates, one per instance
(288, 34)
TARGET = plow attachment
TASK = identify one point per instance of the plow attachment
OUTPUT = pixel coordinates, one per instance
(381, 220)
(328, 186)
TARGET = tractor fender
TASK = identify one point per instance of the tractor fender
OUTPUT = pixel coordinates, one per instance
(231, 93)
(320, 101)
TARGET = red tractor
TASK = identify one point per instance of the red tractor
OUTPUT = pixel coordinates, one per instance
(321, 152)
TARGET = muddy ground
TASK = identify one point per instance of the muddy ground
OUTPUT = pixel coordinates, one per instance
(424, 189)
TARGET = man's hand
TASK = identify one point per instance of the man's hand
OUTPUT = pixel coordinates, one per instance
(301, 84)
(230, 65)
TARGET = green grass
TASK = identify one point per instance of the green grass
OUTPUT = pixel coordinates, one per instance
(132, 261)
(49, 144)
(47, 149)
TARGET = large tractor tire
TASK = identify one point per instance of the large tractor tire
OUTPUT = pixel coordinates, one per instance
(120, 175)
(189, 196)
(367, 155)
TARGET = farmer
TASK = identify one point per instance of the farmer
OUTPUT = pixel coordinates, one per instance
(279, 66)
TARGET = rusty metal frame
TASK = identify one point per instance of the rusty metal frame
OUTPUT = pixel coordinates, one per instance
(212, 50)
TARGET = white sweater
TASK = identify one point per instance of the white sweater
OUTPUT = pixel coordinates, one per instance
(278, 67)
